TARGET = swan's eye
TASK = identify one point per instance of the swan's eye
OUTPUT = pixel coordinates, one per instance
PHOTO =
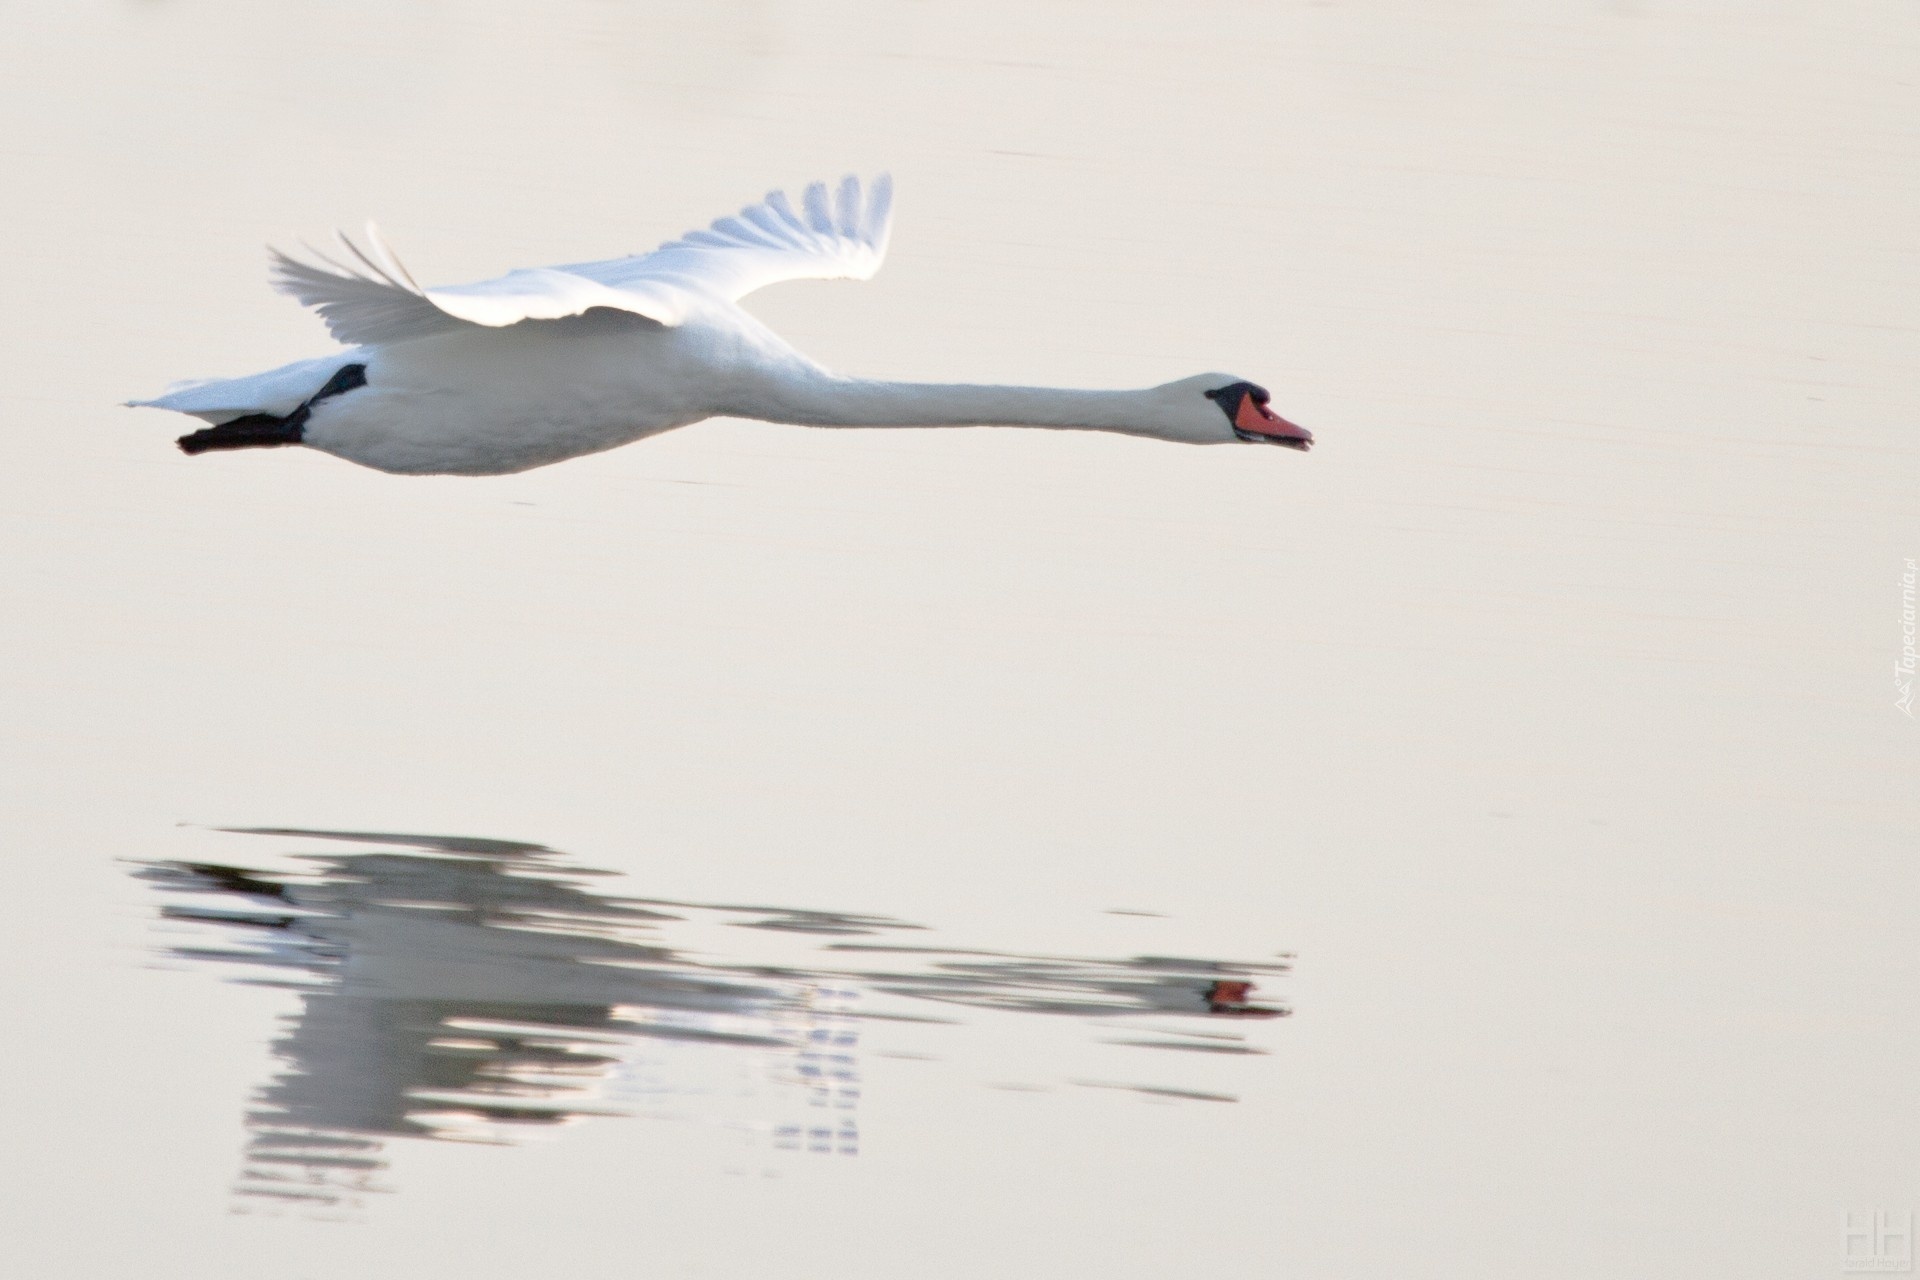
(1233, 395)
(1230, 396)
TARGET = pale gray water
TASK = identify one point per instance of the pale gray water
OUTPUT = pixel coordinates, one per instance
(472, 990)
(1544, 714)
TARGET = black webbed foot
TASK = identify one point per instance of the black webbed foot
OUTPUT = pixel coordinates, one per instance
(255, 431)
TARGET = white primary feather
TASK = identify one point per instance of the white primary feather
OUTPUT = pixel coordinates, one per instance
(372, 298)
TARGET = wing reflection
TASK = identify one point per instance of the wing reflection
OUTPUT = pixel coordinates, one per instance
(471, 990)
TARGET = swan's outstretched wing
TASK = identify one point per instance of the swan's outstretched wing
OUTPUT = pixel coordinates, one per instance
(837, 236)
(371, 298)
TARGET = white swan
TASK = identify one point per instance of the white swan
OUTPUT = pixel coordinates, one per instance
(554, 362)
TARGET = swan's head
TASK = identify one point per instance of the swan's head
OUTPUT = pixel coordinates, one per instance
(1218, 408)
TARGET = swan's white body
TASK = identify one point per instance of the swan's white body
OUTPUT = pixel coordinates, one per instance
(551, 363)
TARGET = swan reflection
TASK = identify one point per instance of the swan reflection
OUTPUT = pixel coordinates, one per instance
(470, 990)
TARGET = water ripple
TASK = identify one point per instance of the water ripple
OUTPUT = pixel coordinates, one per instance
(473, 990)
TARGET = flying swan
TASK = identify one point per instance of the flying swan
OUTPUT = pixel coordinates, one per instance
(549, 363)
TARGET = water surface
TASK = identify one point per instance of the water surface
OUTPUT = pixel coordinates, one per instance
(1544, 713)
(466, 989)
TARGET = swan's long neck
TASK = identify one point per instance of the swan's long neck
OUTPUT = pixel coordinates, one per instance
(826, 400)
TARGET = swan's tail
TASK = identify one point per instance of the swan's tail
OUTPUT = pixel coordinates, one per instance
(264, 430)
(275, 393)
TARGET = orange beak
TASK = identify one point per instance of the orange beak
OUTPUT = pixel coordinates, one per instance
(1254, 419)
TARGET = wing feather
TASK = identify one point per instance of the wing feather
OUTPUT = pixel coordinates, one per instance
(769, 242)
(358, 309)
(378, 272)
(849, 203)
(395, 269)
(819, 216)
(370, 297)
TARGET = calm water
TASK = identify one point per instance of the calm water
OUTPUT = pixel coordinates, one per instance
(1532, 742)
(465, 989)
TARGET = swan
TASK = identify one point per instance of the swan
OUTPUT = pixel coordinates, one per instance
(549, 363)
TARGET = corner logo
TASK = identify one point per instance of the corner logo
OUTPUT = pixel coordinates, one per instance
(1878, 1243)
